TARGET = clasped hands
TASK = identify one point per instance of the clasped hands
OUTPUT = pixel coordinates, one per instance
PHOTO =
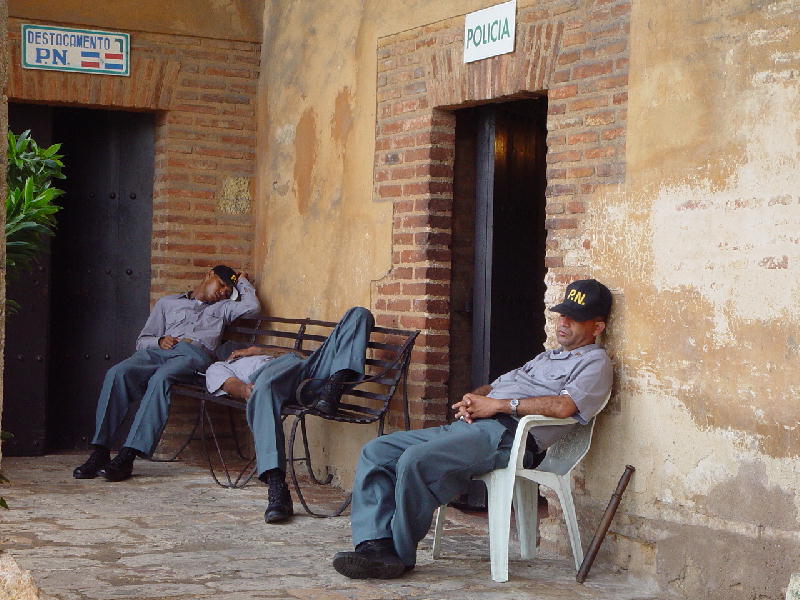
(474, 406)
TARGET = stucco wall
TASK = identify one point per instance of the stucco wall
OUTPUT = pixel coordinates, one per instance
(703, 243)
(698, 244)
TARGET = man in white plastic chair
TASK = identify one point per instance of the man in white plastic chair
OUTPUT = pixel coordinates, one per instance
(403, 477)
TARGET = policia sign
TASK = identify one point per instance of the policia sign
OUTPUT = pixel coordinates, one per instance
(63, 49)
(490, 31)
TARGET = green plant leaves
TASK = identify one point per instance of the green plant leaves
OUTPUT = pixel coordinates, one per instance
(30, 202)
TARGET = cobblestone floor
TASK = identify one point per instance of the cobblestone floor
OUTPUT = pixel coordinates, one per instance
(170, 533)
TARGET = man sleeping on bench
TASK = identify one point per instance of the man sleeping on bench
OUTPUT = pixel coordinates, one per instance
(268, 377)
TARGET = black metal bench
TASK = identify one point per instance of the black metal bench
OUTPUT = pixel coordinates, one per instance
(364, 402)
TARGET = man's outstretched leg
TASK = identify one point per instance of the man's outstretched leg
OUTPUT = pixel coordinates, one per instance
(341, 357)
(400, 481)
(273, 385)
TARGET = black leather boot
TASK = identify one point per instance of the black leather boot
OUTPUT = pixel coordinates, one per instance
(279, 500)
(332, 391)
(98, 459)
(372, 559)
(121, 467)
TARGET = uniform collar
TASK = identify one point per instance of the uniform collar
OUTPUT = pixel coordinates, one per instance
(189, 295)
(561, 354)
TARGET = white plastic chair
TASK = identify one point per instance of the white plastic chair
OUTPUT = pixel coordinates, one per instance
(523, 486)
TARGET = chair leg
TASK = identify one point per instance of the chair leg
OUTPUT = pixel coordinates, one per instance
(564, 491)
(500, 485)
(526, 511)
(437, 531)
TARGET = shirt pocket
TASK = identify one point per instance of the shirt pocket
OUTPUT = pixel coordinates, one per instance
(176, 319)
(214, 313)
(555, 379)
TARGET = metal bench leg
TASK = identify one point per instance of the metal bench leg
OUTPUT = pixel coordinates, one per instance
(188, 440)
(243, 478)
(235, 435)
(300, 420)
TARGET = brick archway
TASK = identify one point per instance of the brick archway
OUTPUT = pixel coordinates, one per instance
(578, 56)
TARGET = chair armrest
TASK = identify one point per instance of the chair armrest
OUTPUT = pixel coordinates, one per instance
(525, 424)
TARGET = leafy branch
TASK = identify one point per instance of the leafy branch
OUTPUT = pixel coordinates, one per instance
(30, 206)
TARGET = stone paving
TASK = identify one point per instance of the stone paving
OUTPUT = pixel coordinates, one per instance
(170, 533)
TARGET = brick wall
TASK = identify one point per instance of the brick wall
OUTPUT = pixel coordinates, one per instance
(203, 92)
(576, 52)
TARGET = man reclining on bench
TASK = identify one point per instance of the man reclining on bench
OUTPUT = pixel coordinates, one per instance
(177, 341)
(269, 377)
(403, 477)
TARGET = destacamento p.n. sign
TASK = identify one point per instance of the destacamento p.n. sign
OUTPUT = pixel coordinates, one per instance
(490, 31)
(63, 49)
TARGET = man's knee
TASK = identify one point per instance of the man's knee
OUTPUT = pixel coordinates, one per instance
(168, 374)
(412, 459)
(119, 372)
(376, 450)
(359, 313)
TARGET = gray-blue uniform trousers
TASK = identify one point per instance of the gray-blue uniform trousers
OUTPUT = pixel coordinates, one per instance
(148, 374)
(277, 381)
(403, 477)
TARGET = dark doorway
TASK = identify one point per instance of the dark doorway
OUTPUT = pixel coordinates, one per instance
(499, 236)
(95, 284)
(497, 319)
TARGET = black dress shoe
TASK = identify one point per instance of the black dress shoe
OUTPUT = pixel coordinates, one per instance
(372, 559)
(98, 459)
(279, 506)
(121, 467)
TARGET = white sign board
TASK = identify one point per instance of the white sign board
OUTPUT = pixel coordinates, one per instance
(64, 49)
(490, 31)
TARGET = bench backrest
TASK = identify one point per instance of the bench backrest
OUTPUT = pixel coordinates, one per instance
(388, 356)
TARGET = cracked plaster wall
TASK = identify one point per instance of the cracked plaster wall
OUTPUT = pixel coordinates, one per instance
(703, 244)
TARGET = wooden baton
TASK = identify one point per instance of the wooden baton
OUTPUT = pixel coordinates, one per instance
(605, 522)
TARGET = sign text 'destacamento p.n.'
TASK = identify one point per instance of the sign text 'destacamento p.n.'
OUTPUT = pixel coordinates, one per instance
(490, 31)
(82, 50)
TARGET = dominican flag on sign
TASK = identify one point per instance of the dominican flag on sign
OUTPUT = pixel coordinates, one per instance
(90, 59)
(111, 60)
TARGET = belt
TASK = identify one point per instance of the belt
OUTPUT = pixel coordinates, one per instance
(195, 343)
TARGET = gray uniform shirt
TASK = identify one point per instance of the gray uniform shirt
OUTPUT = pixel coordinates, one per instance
(183, 317)
(584, 373)
(242, 368)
